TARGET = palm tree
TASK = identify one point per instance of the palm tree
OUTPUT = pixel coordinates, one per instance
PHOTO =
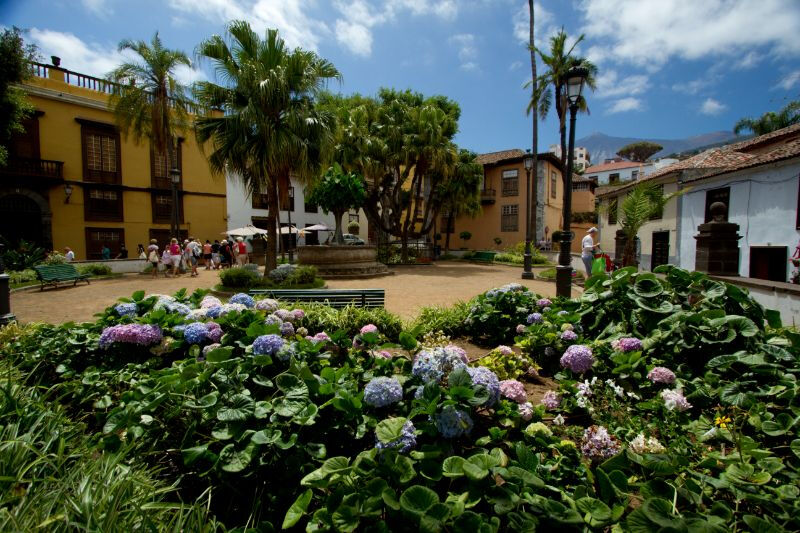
(559, 61)
(269, 126)
(640, 205)
(534, 192)
(150, 102)
(770, 121)
(462, 192)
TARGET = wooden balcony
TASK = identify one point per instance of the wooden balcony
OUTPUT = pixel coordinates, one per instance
(34, 168)
(488, 196)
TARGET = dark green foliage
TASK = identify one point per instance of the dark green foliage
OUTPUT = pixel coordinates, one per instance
(302, 275)
(94, 269)
(14, 107)
(448, 320)
(337, 192)
(238, 278)
(639, 151)
(22, 255)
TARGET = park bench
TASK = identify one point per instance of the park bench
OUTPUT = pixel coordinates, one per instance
(483, 256)
(53, 274)
(337, 298)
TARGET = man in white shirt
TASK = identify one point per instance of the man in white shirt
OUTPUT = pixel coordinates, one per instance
(587, 249)
(69, 254)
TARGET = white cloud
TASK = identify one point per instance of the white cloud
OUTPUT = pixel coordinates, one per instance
(649, 32)
(610, 85)
(749, 60)
(93, 59)
(544, 25)
(515, 65)
(789, 81)
(98, 7)
(712, 107)
(354, 36)
(693, 86)
(467, 50)
(625, 104)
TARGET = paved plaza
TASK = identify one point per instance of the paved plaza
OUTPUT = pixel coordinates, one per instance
(409, 289)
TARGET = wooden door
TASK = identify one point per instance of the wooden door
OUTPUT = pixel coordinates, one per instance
(660, 253)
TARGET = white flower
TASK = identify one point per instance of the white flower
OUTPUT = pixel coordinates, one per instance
(558, 420)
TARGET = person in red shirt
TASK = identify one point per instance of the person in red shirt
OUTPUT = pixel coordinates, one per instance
(207, 254)
(241, 249)
(175, 255)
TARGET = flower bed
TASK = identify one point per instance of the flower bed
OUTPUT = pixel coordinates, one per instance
(676, 409)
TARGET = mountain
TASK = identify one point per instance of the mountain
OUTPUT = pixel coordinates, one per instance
(602, 146)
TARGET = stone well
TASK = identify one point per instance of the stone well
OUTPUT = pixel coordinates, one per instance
(342, 261)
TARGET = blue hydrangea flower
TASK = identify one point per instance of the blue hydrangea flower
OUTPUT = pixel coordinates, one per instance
(126, 309)
(195, 333)
(534, 318)
(273, 320)
(453, 423)
(383, 391)
(286, 352)
(287, 329)
(483, 376)
(404, 443)
(214, 311)
(267, 344)
(242, 298)
(427, 367)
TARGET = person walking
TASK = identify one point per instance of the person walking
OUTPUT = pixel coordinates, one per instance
(207, 254)
(587, 249)
(69, 254)
(215, 254)
(140, 252)
(105, 253)
(227, 254)
(192, 255)
(175, 256)
(241, 249)
(152, 256)
(123, 252)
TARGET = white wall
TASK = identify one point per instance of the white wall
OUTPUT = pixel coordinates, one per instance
(763, 202)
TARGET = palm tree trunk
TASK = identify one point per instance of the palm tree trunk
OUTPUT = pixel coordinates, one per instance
(272, 227)
(534, 192)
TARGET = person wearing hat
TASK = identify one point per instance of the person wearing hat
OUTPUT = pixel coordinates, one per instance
(587, 249)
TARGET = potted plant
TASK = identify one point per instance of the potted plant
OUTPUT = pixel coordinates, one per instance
(353, 227)
(465, 236)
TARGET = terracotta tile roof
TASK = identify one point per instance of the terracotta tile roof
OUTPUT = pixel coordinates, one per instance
(780, 145)
(605, 167)
(496, 157)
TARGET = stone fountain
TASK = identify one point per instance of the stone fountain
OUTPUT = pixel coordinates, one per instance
(343, 261)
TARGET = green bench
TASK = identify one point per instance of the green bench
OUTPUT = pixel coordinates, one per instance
(337, 298)
(483, 256)
(53, 274)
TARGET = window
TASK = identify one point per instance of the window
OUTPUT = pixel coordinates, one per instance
(660, 213)
(635, 175)
(553, 184)
(352, 217)
(510, 182)
(509, 219)
(260, 201)
(613, 178)
(159, 169)
(102, 204)
(101, 155)
(612, 211)
(163, 236)
(162, 208)
(97, 237)
(311, 208)
(718, 195)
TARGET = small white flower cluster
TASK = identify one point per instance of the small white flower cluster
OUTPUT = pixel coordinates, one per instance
(585, 392)
(649, 445)
(619, 391)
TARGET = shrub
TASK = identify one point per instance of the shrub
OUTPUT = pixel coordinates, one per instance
(350, 319)
(494, 315)
(238, 278)
(465, 235)
(26, 255)
(550, 274)
(448, 320)
(252, 267)
(21, 276)
(353, 227)
(280, 274)
(302, 275)
(55, 258)
(509, 258)
(94, 269)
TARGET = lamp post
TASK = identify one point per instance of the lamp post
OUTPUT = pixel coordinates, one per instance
(575, 80)
(291, 206)
(526, 268)
(175, 223)
(6, 315)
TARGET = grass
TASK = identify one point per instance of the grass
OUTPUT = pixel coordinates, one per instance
(550, 274)
(448, 320)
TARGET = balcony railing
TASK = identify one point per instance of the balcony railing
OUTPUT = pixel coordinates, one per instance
(488, 196)
(37, 168)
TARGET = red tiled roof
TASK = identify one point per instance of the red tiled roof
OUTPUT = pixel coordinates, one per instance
(605, 167)
(496, 157)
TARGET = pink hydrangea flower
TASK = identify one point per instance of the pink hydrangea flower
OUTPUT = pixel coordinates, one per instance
(525, 410)
(551, 400)
(520, 329)
(661, 374)
(674, 400)
(627, 344)
(369, 328)
(513, 390)
(504, 350)
(578, 358)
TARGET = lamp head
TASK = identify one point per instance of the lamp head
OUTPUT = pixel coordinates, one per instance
(175, 175)
(528, 160)
(576, 77)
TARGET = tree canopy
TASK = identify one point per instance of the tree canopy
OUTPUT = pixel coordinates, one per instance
(639, 151)
(14, 107)
(337, 192)
(771, 120)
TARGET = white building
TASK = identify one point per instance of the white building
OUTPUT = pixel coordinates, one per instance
(580, 155)
(621, 170)
(244, 210)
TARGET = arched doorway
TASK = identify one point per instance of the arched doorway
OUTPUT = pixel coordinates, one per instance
(23, 217)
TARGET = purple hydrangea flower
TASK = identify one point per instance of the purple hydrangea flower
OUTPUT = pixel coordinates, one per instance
(319, 337)
(674, 400)
(453, 351)
(141, 334)
(513, 390)
(578, 358)
(195, 333)
(287, 329)
(597, 444)
(267, 304)
(299, 314)
(627, 344)
(544, 302)
(369, 328)
(242, 298)
(661, 374)
(504, 350)
(534, 318)
(525, 410)
(126, 309)
(453, 423)
(214, 331)
(483, 376)
(404, 443)
(569, 336)
(551, 400)
(383, 391)
(284, 315)
(520, 329)
(267, 344)
(272, 320)
(210, 301)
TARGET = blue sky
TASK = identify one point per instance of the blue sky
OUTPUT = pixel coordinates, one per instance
(668, 68)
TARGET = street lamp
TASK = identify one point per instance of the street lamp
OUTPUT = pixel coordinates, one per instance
(576, 77)
(6, 316)
(291, 206)
(526, 269)
(175, 179)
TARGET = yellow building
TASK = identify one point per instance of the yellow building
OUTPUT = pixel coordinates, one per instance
(74, 180)
(503, 202)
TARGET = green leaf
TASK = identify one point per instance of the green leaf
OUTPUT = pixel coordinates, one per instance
(779, 426)
(209, 400)
(137, 296)
(453, 466)
(238, 409)
(297, 510)
(418, 499)
(234, 460)
(647, 285)
(407, 341)
(760, 525)
(596, 513)
(773, 318)
(390, 429)
(192, 455)
(218, 355)
(345, 518)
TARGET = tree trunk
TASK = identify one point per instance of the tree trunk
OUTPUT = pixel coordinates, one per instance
(448, 230)
(337, 235)
(629, 252)
(272, 227)
(534, 192)
(404, 246)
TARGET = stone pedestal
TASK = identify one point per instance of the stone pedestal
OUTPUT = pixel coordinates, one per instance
(717, 249)
(342, 261)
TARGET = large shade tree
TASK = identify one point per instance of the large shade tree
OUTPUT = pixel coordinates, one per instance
(337, 192)
(639, 151)
(402, 143)
(150, 103)
(771, 120)
(269, 126)
(14, 69)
